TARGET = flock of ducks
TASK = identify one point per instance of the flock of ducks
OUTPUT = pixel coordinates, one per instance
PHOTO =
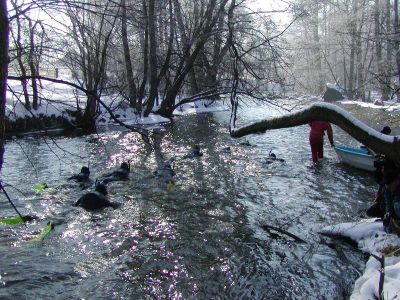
(98, 198)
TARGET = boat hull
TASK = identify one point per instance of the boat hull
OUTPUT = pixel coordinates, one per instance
(358, 158)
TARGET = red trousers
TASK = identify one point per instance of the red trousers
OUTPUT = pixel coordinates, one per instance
(317, 147)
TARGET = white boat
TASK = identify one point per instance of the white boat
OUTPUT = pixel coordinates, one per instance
(359, 158)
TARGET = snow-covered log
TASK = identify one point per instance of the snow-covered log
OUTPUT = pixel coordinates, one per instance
(378, 142)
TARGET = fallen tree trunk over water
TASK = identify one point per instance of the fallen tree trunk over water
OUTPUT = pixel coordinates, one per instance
(378, 142)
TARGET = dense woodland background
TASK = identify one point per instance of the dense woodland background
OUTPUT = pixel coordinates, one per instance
(169, 52)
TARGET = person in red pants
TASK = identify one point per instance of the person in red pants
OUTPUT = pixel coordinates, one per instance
(317, 131)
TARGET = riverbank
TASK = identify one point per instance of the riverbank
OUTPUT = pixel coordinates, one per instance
(54, 113)
(375, 116)
(59, 104)
(37, 125)
(383, 266)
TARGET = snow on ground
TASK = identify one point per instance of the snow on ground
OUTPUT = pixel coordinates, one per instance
(58, 97)
(198, 107)
(388, 105)
(372, 238)
(376, 103)
(128, 116)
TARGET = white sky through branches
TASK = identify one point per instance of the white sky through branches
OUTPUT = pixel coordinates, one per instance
(278, 9)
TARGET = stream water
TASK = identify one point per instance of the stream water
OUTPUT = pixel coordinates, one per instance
(202, 240)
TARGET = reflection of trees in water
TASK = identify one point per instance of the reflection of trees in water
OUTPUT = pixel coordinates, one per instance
(202, 212)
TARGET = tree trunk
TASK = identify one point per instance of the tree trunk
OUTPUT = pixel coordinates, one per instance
(145, 59)
(152, 58)
(193, 86)
(210, 80)
(127, 57)
(396, 27)
(155, 82)
(353, 31)
(388, 61)
(88, 121)
(317, 49)
(345, 79)
(32, 66)
(359, 56)
(3, 73)
(22, 69)
(24, 83)
(388, 145)
(378, 49)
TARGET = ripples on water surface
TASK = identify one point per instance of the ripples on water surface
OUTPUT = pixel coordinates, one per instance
(201, 241)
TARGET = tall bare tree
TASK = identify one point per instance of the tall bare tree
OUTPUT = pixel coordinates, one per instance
(317, 46)
(201, 34)
(353, 49)
(20, 53)
(152, 21)
(34, 56)
(92, 30)
(360, 52)
(132, 90)
(3, 73)
(396, 46)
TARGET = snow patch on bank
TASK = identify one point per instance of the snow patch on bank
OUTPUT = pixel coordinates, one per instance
(387, 105)
(58, 97)
(372, 239)
(200, 107)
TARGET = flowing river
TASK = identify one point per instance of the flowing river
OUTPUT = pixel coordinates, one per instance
(204, 239)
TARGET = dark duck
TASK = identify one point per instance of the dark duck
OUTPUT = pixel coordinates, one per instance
(194, 153)
(96, 200)
(83, 176)
(246, 143)
(120, 174)
(226, 149)
(166, 171)
(271, 159)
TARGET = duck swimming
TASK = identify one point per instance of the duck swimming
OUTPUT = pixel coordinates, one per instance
(83, 176)
(122, 173)
(246, 143)
(270, 159)
(226, 149)
(166, 171)
(96, 200)
(194, 153)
